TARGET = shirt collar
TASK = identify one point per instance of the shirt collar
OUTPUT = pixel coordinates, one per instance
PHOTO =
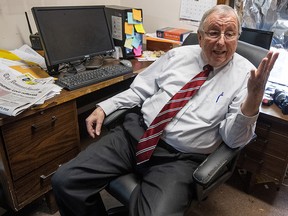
(203, 62)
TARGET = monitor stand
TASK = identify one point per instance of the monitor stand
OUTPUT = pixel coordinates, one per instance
(76, 67)
(95, 62)
(79, 68)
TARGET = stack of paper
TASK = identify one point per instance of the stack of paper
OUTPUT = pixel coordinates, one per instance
(23, 82)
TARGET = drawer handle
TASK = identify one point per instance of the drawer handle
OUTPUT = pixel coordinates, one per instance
(34, 127)
(254, 160)
(265, 126)
(260, 139)
(44, 177)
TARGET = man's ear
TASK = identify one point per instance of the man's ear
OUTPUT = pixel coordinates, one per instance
(199, 35)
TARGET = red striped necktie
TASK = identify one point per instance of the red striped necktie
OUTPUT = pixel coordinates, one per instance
(150, 138)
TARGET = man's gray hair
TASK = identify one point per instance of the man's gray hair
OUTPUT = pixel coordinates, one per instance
(225, 9)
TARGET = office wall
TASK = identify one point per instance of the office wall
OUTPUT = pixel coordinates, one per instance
(14, 30)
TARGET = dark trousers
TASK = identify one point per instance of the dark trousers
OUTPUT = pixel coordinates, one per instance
(165, 189)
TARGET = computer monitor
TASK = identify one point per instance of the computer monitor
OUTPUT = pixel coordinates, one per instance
(73, 33)
(257, 37)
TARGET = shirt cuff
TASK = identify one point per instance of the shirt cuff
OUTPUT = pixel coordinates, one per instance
(247, 119)
(107, 106)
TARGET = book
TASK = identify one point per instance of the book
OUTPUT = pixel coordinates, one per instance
(177, 34)
(154, 43)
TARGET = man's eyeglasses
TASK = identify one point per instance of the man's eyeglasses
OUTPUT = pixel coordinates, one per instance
(229, 35)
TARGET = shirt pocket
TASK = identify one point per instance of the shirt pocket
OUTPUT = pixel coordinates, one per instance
(213, 108)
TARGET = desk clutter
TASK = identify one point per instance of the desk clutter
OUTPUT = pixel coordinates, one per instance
(23, 82)
(276, 94)
(28, 78)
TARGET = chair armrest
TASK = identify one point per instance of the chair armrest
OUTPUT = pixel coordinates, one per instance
(215, 164)
(114, 116)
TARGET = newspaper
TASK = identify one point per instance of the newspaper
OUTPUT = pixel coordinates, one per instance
(17, 93)
(26, 53)
(23, 82)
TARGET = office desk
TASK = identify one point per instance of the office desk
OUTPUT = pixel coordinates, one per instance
(36, 142)
(266, 159)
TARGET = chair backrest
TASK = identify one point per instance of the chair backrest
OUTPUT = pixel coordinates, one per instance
(191, 39)
(251, 52)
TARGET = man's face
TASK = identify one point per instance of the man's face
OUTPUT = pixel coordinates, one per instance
(219, 39)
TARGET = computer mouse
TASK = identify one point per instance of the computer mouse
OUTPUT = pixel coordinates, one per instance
(126, 62)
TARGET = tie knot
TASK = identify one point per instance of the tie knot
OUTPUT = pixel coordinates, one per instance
(208, 68)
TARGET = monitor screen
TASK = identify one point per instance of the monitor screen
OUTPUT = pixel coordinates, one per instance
(257, 37)
(71, 33)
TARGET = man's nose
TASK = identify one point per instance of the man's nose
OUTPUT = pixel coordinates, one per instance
(221, 38)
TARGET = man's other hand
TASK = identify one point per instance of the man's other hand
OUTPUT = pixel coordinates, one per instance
(94, 122)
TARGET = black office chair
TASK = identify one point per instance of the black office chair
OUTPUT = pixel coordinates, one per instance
(214, 171)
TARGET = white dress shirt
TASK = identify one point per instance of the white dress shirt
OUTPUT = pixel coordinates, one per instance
(211, 116)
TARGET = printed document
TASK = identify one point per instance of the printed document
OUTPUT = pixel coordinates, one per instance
(18, 93)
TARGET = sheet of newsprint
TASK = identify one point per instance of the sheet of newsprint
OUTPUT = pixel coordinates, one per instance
(18, 93)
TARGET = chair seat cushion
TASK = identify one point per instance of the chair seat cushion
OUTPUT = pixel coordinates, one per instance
(122, 187)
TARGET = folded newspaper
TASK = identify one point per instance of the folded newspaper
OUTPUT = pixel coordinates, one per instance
(18, 93)
(22, 85)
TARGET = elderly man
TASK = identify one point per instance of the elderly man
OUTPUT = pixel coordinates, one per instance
(225, 107)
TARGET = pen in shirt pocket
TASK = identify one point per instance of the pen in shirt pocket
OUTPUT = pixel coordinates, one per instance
(219, 96)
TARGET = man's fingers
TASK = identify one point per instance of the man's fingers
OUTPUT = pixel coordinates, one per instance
(252, 74)
(98, 127)
(268, 62)
(90, 129)
(266, 65)
(272, 60)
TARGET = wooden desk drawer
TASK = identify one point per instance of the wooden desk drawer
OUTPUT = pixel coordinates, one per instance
(39, 139)
(275, 145)
(261, 163)
(280, 128)
(37, 183)
(278, 145)
(263, 129)
(265, 126)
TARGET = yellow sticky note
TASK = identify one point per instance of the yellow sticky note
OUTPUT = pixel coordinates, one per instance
(139, 28)
(137, 15)
(128, 43)
(128, 28)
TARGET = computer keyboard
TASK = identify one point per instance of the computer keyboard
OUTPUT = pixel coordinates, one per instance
(89, 77)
